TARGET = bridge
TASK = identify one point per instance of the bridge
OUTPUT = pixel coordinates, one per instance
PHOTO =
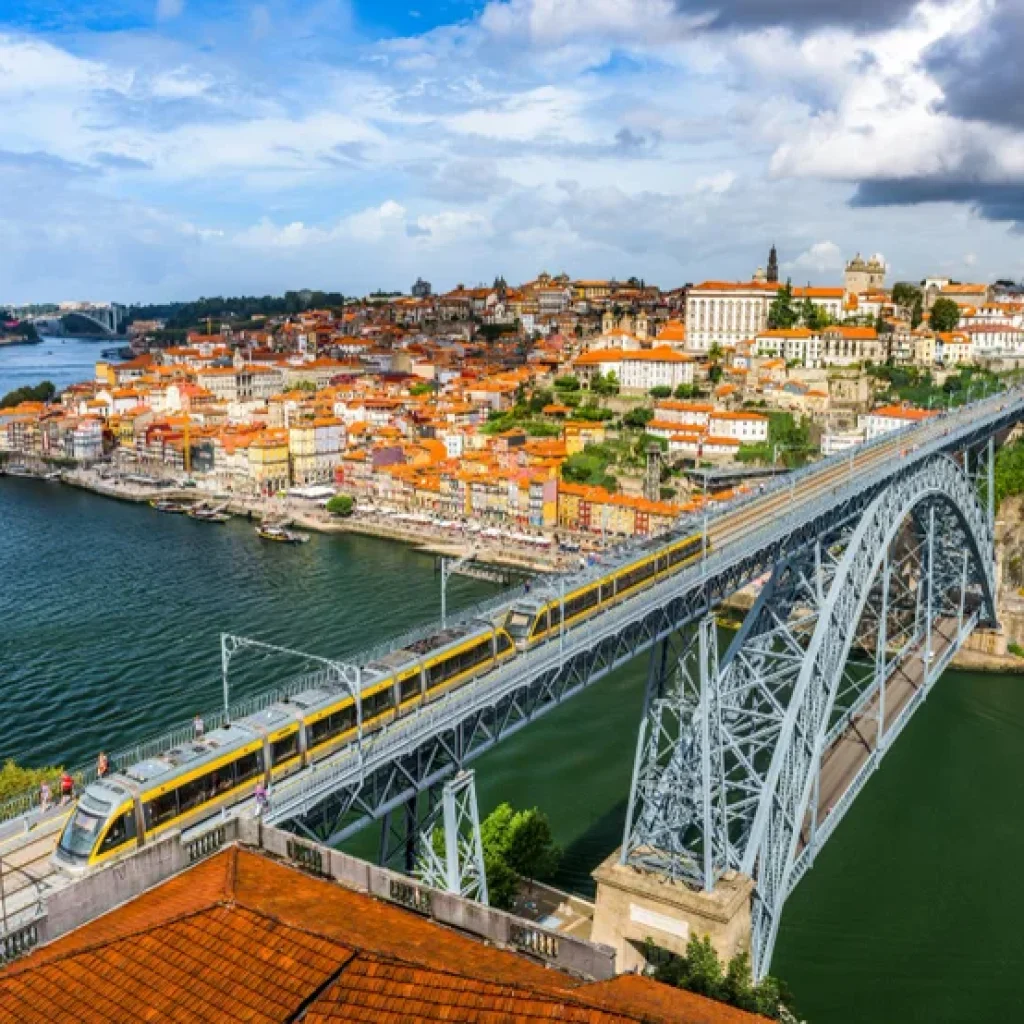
(105, 316)
(874, 568)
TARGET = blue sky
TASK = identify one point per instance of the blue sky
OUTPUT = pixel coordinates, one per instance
(159, 149)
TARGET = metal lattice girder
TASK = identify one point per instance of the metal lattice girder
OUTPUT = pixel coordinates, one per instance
(458, 866)
(787, 686)
(790, 779)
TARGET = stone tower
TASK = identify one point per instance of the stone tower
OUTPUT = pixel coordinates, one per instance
(773, 266)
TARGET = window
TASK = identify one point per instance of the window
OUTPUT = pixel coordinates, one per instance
(504, 642)
(283, 749)
(193, 793)
(120, 832)
(409, 688)
(333, 725)
(161, 809)
(248, 767)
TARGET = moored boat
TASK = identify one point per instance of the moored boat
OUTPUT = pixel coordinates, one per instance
(172, 507)
(209, 515)
(281, 535)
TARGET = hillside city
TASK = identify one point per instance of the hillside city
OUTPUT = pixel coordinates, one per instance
(594, 408)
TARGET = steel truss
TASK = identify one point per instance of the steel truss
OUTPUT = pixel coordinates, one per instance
(729, 758)
(451, 855)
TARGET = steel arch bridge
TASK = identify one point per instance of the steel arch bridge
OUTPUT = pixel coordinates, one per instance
(749, 763)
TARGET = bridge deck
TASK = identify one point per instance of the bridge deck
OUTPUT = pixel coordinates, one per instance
(852, 749)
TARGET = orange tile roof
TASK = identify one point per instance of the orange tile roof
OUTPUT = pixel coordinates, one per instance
(241, 937)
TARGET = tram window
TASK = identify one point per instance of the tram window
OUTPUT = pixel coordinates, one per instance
(541, 624)
(410, 687)
(378, 703)
(161, 809)
(120, 832)
(343, 720)
(193, 793)
(283, 749)
(504, 642)
(248, 767)
(607, 590)
(221, 780)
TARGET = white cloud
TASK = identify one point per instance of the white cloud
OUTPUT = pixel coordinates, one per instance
(168, 9)
(820, 257)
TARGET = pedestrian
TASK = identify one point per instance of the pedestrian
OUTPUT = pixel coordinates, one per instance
(102, 766)
(67, 788)
(45, 796)
(198, 726)
(261, 798)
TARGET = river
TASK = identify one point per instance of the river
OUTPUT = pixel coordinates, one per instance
(110, 616)
(63, 361)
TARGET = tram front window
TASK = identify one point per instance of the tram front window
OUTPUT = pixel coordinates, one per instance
(79, 837)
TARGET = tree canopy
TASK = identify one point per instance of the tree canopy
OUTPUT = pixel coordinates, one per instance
(945, 315)
(44, 392)
(781, 314)
(701, 971)
(181, 315)
(341, 505)
(516, 844)
(905, 294)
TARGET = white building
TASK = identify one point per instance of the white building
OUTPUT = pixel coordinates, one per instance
(725, 312)
(745, 427)
(890, 418)
(640, 370)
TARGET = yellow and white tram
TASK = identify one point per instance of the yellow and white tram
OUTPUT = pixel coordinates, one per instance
(198, 779)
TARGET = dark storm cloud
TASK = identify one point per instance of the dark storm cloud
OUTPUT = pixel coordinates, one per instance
(981, 72)
(998, 201)
(799, 15)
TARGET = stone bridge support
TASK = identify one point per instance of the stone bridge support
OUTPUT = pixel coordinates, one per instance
(744, 767)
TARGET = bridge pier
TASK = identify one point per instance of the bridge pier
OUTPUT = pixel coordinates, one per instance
(634, 907)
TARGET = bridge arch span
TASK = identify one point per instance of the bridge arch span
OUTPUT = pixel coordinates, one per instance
(947, 566)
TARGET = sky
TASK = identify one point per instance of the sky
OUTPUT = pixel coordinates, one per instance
(153, 150)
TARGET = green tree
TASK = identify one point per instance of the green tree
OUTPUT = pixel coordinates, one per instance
(424, 388)
(715, 373)
(916, 313)
(781, 314)
(945, 315)
(44, 392)
(687, 391)
(532, 852)
(905, 294)
(15, 780)
(661, 391)
(715, 352)
(540, 399)
(638, 418)
(567, 384)
(515, 844)
(341, 505)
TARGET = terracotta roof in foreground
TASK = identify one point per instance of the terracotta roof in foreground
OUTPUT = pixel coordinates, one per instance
(242, 937)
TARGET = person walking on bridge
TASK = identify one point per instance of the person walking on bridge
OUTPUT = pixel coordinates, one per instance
(102, 766)
(67, 787)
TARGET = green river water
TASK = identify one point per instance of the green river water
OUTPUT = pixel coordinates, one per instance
(109, 622)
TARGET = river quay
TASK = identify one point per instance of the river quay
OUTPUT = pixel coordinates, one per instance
(457, 543)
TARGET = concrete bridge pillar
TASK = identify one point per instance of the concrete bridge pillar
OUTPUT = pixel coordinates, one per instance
(634, 905)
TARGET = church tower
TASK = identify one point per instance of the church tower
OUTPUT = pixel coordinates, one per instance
(773, 266)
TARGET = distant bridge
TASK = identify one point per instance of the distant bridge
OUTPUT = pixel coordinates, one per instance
(106, 317)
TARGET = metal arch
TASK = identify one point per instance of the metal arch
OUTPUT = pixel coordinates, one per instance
(770, 852)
